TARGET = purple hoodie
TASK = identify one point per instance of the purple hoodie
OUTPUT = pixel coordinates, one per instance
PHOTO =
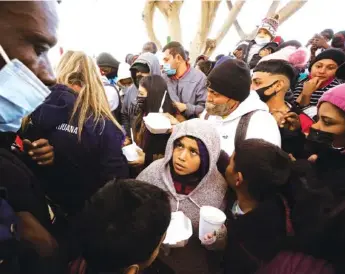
(80, 167)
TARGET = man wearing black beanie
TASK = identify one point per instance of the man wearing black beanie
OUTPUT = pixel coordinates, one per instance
(230, 101)
(108, 64)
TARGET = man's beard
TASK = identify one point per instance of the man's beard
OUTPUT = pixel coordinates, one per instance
(218, 110)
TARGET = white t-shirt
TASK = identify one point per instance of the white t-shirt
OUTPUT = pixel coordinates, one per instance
(113, 97)
(253, 50)
(111, 93)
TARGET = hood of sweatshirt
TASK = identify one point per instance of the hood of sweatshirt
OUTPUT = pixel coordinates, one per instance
(210, 191)
(151, 60)
(251, 103)
(199, 129)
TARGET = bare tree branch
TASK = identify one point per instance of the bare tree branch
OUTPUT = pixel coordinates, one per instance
(290, 9)
(237, 25)
(210, 47)
(273, 8)
(284, 13)
(208, 14)
(171, 12)
(147, 16)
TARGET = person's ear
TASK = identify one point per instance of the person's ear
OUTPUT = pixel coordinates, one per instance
(179, 58)
(133, 269)
(281, 84)
(239, 179)
(233, 104)
(76, 87)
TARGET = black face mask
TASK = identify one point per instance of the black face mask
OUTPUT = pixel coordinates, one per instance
(319, 142)
(137, 80)
(141, 102)
(261, 92)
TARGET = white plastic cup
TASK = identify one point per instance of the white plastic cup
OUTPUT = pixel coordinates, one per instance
(211, 220)
(130, 152)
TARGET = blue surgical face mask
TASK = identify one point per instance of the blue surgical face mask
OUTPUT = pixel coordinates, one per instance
(113, 81)
(21, 92)
(168, 70)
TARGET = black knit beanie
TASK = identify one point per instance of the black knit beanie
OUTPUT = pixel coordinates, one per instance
(231, 79)
(107, 60)
(336, 55)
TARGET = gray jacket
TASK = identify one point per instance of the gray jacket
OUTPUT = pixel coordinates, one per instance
(129, 109)
(211, 191)
(191, 90)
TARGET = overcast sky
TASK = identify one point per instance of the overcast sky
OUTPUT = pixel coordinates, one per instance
(116, 26)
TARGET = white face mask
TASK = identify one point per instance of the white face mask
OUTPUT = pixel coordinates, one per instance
(262, 41)
(21, 92)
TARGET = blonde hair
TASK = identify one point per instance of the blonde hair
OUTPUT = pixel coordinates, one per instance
(76, 68)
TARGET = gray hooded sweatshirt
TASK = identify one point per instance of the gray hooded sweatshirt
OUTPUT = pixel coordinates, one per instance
(190, 89)
(130, 100)
(211, 191)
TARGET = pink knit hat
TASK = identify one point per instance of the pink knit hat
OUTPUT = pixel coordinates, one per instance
(335, 96)
(296, 57)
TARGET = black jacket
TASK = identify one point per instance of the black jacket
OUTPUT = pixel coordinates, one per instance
(318, 212)
(254, 238)
(25, 195)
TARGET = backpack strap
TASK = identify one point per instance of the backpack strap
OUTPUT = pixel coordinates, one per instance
(242, 127)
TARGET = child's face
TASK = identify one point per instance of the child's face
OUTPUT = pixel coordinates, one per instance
(263, 33)
(264, 52)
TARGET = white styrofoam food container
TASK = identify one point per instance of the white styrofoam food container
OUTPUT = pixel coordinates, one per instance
(130, 152)
(157, 123)
(179, 231)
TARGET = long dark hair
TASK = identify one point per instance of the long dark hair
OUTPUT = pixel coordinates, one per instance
(156, 87)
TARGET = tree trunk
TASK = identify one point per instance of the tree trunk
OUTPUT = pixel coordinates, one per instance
(212, 44)
(208, 14)
(148, 13)
(171, 12)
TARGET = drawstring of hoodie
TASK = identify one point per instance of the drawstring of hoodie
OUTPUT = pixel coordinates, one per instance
(178, 203)
(194, 202)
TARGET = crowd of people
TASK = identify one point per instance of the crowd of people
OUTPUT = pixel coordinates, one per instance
(258, 134)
